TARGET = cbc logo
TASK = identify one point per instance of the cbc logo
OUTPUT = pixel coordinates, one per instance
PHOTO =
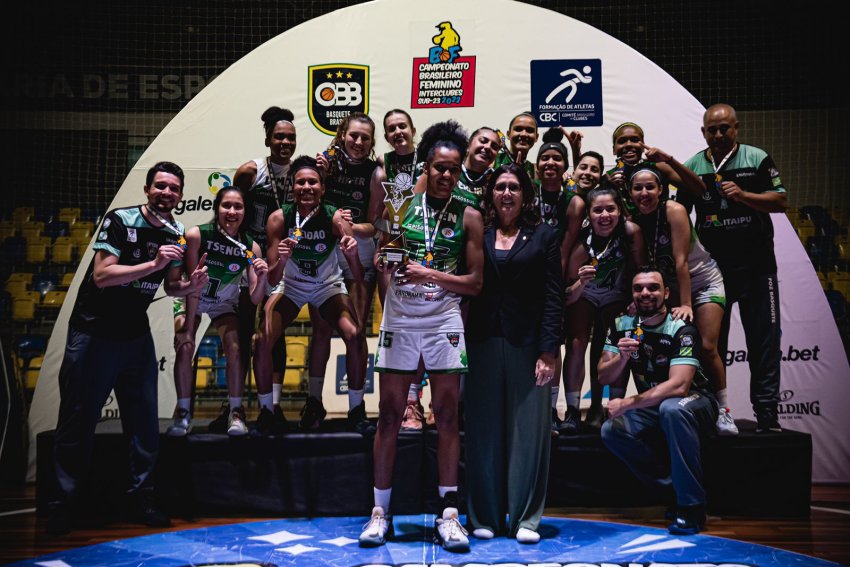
(339, 94)
(548, 116)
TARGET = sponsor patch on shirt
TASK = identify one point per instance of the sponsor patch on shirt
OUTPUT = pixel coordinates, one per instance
(131, 235)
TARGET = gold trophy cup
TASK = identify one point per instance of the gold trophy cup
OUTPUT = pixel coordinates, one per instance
(398, 195)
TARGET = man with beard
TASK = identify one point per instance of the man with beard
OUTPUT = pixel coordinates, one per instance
(110, 345)
(673, 405)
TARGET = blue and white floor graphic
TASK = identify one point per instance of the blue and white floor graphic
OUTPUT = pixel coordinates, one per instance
(333, 542)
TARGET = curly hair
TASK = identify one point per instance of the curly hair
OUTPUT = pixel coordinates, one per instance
(273, 115)
(448, 134)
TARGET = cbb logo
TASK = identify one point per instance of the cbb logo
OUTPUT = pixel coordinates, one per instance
(339, 94)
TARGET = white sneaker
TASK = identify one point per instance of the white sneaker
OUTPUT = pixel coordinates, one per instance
(377, 529)
(725, 424)
(449, 533)
(236, 426)
(182, 424)
(525, 535)
(483, 533)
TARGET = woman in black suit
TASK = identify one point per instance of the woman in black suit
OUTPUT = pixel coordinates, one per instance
(514, 331)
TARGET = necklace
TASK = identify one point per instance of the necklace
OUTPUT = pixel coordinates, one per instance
(273, 179)
(718, 179)
(553, 220)
(594, 257)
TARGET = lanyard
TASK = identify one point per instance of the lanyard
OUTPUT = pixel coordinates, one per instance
(594, 257)
(477, 181)
(181, 240)
(273, 179)
(431, 237)
(245, 252)
(718, 179)
(554, 220)
(654, 254)
(299, 224)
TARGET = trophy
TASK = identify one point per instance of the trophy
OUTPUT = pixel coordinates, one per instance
(399, 193)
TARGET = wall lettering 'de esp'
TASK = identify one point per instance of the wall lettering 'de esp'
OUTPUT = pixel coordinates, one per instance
(456, 60)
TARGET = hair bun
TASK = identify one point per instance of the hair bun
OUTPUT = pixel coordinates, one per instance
(553, 135)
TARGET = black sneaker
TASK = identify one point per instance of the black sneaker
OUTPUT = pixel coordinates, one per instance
(312, 414)
(571, 420)
(149, 514)
(265, 424)
(58, 519)
(690, 520)
(767, 421)
(219, 424)
(358, 422)
(281, 425)
(595, 416)
(556, 423)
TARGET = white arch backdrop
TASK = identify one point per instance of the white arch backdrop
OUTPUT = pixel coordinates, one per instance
(220, 129)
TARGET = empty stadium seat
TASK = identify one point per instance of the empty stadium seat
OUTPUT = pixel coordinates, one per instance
(22, 214)
(292, 379)
(37, 251)
(53, 299)
(67, 280)
(69, 214)
(23, 310)
(16, 287)
(842, 286)
(204, 376)
(303, 315)
(32, 230)
(32, 371)
(63, 253)
(7, 229)
(82, 228)
(21, 277)
(837, 275)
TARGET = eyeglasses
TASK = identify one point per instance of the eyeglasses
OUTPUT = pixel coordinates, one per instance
(723, 129)
(512, 187)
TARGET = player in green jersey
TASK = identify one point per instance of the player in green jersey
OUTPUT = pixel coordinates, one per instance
(228, 252)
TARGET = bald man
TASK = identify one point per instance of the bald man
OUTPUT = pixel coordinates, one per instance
(733, 222)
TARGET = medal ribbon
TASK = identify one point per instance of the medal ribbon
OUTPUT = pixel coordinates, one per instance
(249, 254)
(181, 240)
(273, 179)
(430, 237)
(718, 179)
(299, 224)
(594, 257)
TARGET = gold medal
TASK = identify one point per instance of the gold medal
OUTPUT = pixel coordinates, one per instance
(638, 334)
(181, 242)
(250, 256)
(297, 234)
(594, 262)
(620, 165)
(428, 259)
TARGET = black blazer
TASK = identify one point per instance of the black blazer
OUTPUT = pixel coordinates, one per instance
(521, 299)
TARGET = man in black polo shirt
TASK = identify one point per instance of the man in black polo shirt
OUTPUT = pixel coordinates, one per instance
(673, 404)
(733, 222)
(109, 344)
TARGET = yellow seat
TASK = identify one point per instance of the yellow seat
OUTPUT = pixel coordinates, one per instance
(7, 229)
(16, 287)
(82, 227)
(303, 315)
(67, 279)
(296, 354)
(844, 250)
(21, 277)
(292, 379)
(36, 253)
(205, 372)
(32, 372)
(22, 215)
(822, 279)
(63, 253)
(298, 340)
(23, 310)
(53, 299)
(32, 230)
(843, 286)
(69, 214)
(832, 277)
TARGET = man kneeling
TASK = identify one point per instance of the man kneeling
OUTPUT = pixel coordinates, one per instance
(673, 404)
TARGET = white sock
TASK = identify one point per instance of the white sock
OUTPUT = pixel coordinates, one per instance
(382, 498)
(315, 385)
(184, 403)
(723, 398)
(443, 490)
(355, 397)
(235, 401)
(573, 399)
(554, 398)
(614, 393)
(266, 401)
(413, 392)
(276, 388)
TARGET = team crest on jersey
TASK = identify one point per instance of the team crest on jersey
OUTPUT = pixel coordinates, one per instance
(320, 247)
(233, 267)
(447, 232)
(153, 248)
(454, 339)
(131, 235)
(106, 223)
(357, 196)
(335, 91)
(686, 340)
(102, 235)
(137, 253)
